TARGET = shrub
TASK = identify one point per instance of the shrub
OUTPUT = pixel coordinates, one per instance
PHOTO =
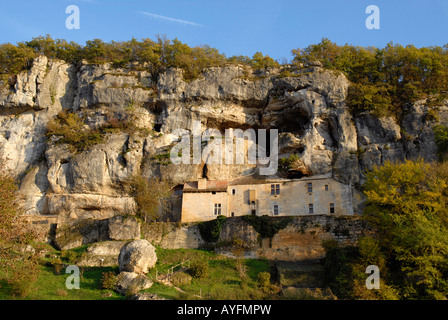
(22, 275)
(56, 263)
(69, 256)
(108, 280)
(286, 164)
(264, 280)
(199, 269)
(73, 131)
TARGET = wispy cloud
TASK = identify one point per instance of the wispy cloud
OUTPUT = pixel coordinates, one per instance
(158, 16)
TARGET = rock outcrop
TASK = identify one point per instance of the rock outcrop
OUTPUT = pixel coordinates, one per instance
(308, 107)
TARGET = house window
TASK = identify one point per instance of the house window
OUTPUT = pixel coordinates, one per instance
(233, 191)
(213, 192)
(217, 209)
(326, 187)
(310, 187)
(331, 207)
(276, 210)
(310, 208)
(232, 214)
(275, 189)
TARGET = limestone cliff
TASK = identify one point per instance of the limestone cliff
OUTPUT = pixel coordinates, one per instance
(308, 107)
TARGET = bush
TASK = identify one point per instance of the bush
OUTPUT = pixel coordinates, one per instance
(69, 256)
(199, 269)
(22, 276)
(56, 263)
(264, 280)
(73, 131)
(109, 280)
(286, 164)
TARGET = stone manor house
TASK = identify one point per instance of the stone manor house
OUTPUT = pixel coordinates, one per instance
(204, 199)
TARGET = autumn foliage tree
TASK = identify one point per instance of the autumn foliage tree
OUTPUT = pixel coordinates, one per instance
(150, 195)
(18, 266)
(407, 204)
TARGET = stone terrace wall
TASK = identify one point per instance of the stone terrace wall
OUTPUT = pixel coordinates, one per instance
(301, 239)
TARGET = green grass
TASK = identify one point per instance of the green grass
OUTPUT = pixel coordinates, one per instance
(51, 286)
(223, 281)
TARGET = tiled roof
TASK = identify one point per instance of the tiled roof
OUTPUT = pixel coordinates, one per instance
(212, 185)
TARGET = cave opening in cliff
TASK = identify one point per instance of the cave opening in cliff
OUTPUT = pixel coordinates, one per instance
(295, 174)
(157, 127)
(295, 120)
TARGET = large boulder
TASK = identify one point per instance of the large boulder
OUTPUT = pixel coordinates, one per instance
(137, 256)
(129, 283)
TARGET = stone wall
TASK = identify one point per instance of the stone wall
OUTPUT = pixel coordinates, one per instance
(301, 239)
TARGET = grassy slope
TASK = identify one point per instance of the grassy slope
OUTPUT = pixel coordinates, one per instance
(223, 281)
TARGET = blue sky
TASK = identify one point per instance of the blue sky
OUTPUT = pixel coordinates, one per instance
(233, 26)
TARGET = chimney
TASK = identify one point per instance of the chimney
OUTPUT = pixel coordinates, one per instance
(202, 183)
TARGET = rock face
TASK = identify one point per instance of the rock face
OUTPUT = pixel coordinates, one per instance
(308, 108)
(137, 256)
(73, 233)
(123, 228)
